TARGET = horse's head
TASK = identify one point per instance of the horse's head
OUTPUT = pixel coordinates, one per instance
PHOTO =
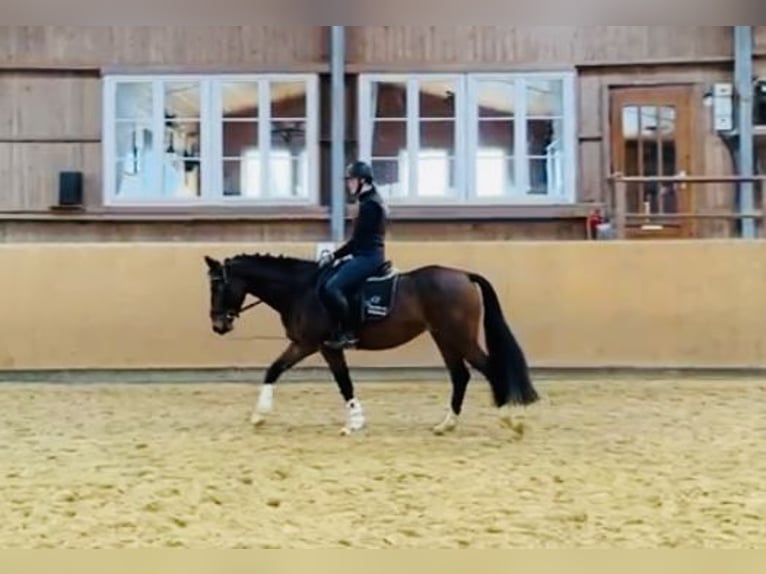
(227, 292)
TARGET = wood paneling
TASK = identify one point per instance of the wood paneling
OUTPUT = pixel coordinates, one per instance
(711, 155)
(29, 172)
(45, 107)
(96, 46)
(589, 100)
(760, 40)
(538, 46)
(66, 230)
(592, 183)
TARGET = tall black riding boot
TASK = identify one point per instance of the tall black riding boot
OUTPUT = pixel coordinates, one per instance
(343, 335)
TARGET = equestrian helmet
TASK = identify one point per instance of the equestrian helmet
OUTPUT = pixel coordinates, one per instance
(360, 170)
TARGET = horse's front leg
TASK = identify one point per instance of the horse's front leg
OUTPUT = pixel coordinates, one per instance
(291, 356)
(336, 360)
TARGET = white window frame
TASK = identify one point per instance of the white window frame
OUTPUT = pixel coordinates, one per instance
(413, 131)
(466, 140)
(211, 142)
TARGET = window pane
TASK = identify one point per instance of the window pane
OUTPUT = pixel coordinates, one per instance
(288, 174)
(629, 122)
(546, 150)
(288, 163)
(181, 168)
(240, 100)
(494, 173)
(239, 137)
(390, 177)
(497, 134)
(649, 120)
(545, 175)
(134, 147)
(438, 135)
(182, 100)
(545, 98)
(181, 176)
(288, 99)
(389, 99)
(133, 100)
(242, 178)
(437, 99)
(542, 135)
(436, 174)
(389, 138)
(495, 98)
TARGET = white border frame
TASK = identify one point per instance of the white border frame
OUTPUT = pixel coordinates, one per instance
(466, 134)
(211, 152)
(413, 131)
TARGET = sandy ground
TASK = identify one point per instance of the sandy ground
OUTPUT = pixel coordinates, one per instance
(602, 464)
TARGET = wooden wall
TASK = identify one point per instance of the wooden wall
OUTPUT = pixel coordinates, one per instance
(50, 97)
(50, 89)
(524, 46)
(48, 123)
(712, 155)
(760, 40)
(251, 47)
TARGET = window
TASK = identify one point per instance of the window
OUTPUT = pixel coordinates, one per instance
(211, 140)
(491, 138)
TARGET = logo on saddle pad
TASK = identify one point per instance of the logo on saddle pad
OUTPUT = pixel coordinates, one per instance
(375, 299)
(377, 295)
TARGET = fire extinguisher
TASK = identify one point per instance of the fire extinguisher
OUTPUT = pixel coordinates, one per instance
(595, 218)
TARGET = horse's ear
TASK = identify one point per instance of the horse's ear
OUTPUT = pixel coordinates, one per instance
(212, 264)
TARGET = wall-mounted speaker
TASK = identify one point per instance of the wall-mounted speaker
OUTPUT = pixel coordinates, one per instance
(70, 188)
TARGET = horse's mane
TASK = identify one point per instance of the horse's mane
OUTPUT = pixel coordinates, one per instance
(294, 267)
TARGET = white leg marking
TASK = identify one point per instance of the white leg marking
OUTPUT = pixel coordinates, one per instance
(354, 417)
(448, 424)
(264, 406)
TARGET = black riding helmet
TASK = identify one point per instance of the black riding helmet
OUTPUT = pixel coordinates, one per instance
(360, 170)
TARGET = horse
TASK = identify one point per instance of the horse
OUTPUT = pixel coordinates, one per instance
(392, 308)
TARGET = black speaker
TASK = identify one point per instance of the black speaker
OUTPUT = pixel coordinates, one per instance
(70, 188)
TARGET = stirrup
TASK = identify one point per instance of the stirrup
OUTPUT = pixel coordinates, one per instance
(342, 341)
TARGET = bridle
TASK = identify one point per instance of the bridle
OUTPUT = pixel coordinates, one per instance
(225, 280)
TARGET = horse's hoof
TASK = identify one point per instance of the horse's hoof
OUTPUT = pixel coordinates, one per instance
(257, 420)
(442, 429)
(518, 428)
(353, 428)
(449, 424)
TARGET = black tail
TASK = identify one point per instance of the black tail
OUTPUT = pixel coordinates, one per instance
(508, 372)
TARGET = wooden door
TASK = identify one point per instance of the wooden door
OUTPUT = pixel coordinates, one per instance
(651, 135)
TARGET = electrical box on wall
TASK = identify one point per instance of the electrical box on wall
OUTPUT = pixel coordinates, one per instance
(723, 107)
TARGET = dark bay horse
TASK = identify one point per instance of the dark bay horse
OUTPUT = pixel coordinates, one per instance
(392, 308)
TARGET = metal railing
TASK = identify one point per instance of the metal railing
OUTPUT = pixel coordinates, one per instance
(622, 217)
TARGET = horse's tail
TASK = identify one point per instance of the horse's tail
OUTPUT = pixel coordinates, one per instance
(507, 368)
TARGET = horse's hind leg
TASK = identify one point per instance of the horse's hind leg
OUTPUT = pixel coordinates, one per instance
(479, 360)
(460, 376)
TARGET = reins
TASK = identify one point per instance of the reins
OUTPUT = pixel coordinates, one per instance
(248, 307)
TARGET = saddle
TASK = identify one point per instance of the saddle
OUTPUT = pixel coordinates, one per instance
(375, 299)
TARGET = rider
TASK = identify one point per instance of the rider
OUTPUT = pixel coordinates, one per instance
(366, 246)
